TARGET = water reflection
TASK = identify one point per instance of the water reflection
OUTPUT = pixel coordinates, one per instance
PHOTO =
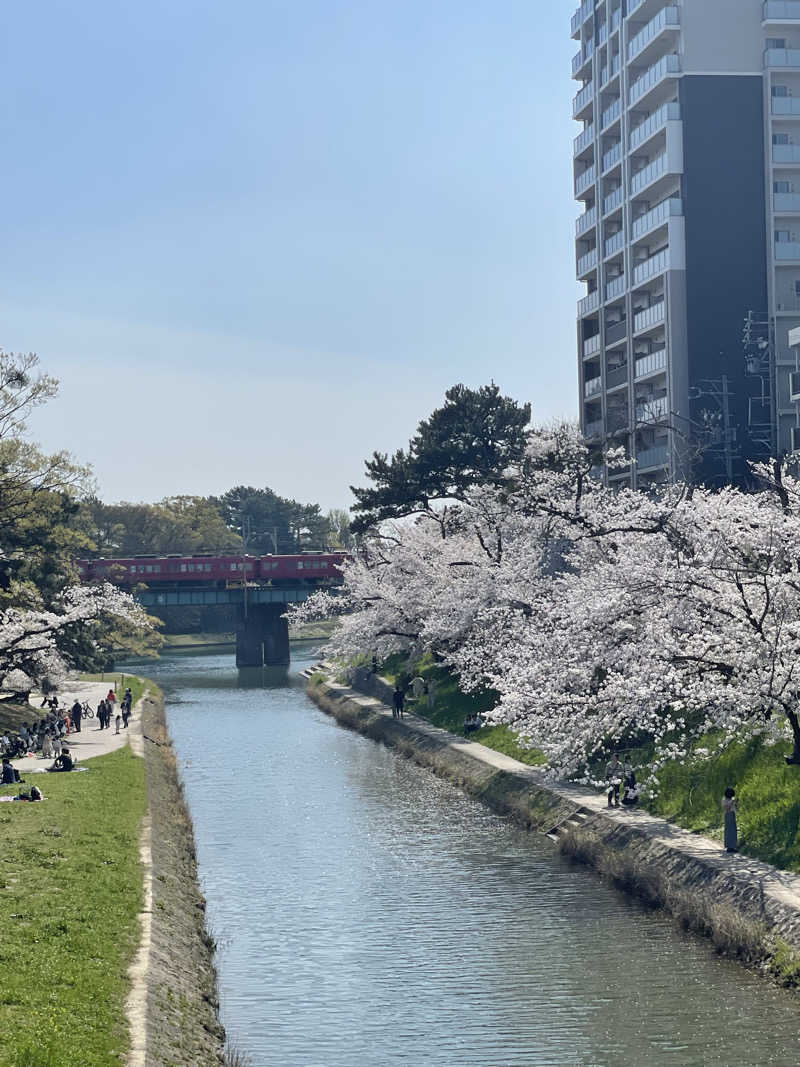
(373, 915)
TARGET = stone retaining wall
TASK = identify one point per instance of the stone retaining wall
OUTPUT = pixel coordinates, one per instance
(183, 1028)
(744, 905)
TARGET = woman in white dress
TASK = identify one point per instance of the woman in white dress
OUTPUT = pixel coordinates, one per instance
(47, 746)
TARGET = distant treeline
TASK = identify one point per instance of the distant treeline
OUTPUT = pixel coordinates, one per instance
(244, 519)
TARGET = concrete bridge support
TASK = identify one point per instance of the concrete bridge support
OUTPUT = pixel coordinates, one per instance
(262, 636)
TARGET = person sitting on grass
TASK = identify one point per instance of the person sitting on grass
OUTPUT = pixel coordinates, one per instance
(10, 774)
(64, 762)
(472, 722)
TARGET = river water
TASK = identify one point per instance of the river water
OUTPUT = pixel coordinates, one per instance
(369, 914)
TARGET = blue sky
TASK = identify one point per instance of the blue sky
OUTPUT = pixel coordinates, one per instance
(258, 240)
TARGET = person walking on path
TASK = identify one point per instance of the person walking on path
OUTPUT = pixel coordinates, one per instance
(126, 713)
(76, 714)
(118, 721)
(730, 805)
(614, 778)
(398, 703)
(111, 699)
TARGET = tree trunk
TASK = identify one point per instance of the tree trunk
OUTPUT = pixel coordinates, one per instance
(794, 759)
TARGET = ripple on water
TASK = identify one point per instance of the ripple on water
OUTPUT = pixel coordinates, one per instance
(369, 914)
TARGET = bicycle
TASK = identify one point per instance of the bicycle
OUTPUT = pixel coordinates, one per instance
(87, 711)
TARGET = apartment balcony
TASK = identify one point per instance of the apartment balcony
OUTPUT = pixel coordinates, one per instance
(794, 385)
(586, 221)
(654, 363)
(587, 263)
(670, 112)
(787, 251)
(786, 153)
(592, 386)
(656, 264)
(593, 428)
(610, 71)
(616, 332)
(614, 244)
(611, 114)
(616, 287)
(786, 106)
(591, 346)
(581, 15)
(617, 376)
(583, 100)
(781, 11)
(782, 58)
(649, 317)
(668, 18)
(786, 203)
(585, 180)
(613, 201)
(666, 66)
(582, 58)
(649, 174)
(591, 302)
(652, 457)
(652, 409)
(633, 7)
(658, 216)
(584, 139)
(611, 158)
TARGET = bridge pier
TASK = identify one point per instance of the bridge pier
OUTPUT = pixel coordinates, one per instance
(262, 636)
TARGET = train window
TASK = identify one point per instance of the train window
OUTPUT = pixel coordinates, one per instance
(149, 569)
(183, 568)
(133, 569)
(299, 565)
(157, 568)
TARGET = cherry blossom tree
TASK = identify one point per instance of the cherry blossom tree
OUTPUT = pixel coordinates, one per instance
(601, 618)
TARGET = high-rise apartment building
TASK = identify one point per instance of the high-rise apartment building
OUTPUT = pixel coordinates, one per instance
(688, 170)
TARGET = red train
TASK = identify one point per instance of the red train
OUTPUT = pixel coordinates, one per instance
(307, 567)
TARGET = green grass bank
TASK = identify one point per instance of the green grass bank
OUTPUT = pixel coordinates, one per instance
(70, 893)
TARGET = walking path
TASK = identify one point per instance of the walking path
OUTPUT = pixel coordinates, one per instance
(91, 741)
(751, 874)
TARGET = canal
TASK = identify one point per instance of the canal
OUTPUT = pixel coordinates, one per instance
(368, 913)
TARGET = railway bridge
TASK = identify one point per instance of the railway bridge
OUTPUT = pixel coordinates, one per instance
(258, 588)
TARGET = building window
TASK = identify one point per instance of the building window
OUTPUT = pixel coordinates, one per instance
(776, 42)
(780, 138)
(782, 187)
(780, 90)
(782, 236)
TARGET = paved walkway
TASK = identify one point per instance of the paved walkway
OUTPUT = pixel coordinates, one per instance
(91, 741)
(782, 886)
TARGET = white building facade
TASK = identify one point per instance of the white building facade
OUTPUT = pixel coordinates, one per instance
(687, 167)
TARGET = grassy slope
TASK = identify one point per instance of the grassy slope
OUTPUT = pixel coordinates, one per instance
(452, 706)
(70, 891)
(769, 799)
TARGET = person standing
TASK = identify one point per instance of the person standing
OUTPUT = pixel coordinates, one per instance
(614, 778)
(730, 806)
(118, 721)
(398, 702)
(76, 714)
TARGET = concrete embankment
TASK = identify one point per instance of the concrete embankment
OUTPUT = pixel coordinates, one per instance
(180, 1017)
(749, 909)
